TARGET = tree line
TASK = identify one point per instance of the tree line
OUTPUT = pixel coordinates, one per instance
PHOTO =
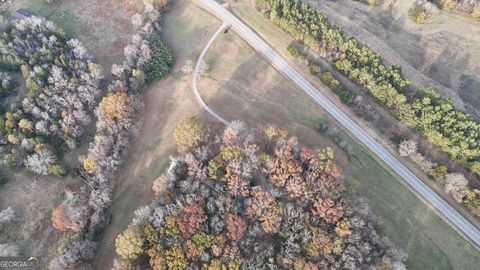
(453, 131)
(85, 212)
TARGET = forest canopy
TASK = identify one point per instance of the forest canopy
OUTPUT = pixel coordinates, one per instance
(62, 84)
(238, 202)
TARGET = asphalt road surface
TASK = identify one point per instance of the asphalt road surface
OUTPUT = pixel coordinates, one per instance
(281, 65)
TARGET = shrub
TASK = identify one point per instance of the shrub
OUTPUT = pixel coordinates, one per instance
(294, 52)
(161, 61)
(57, 170)
(439, 172)
(345, 95)
(417, 13)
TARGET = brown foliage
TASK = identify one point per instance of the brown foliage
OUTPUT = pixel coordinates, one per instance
(283, 166)
(230, 136)
(263, 207)
(218, 245)
(195, 167)
(306, 154)
(60, 220)
(160, 184)
(192, 218)
(116, 106)
(236, 185)
(328, 210)
(236, 227)
(193, 252)
(297, 188)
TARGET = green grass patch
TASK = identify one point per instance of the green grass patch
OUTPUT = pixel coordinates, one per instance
(62, 17)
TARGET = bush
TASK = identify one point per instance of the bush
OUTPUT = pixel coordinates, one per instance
(57, 170)
(314, 69)
(439, 172)
(294, 52)
(160, 63)
(345, 95)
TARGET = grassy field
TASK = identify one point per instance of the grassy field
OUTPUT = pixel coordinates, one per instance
(252, 91)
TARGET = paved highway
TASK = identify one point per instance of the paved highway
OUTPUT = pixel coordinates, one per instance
(281, 65)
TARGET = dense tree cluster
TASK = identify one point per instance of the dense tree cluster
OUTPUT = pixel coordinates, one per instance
(453, 131)
(469, 7)
(62, 83)
(84, 213)
(235, 203)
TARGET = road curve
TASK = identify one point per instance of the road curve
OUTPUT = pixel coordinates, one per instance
(281, 65)
(196, 72)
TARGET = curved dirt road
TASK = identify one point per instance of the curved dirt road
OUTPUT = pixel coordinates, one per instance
(196, 72)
